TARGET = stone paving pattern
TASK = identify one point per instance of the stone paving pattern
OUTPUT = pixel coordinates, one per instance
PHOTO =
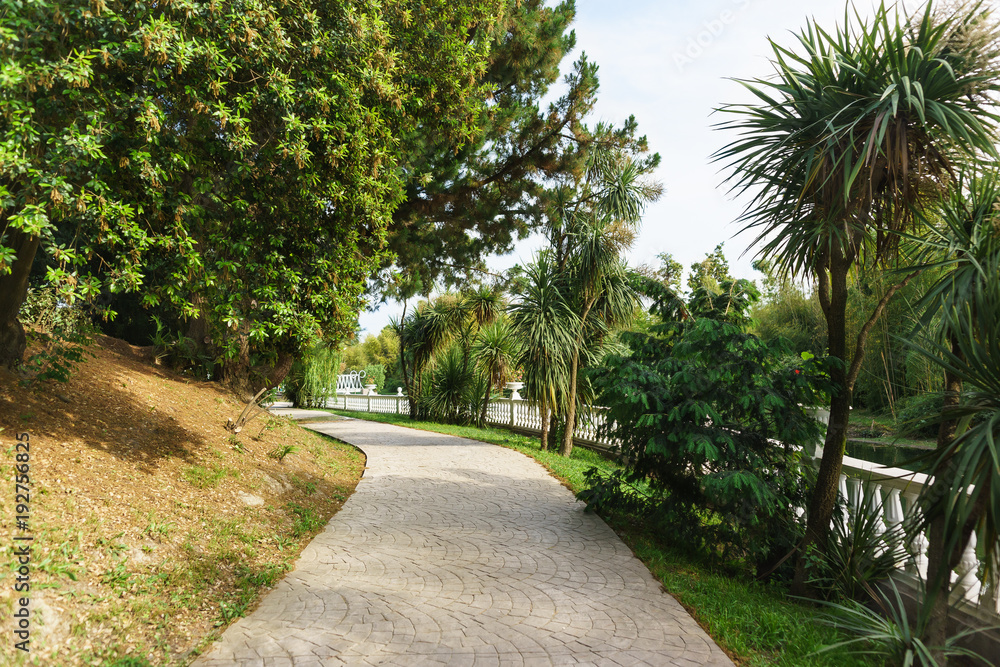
(456, 552)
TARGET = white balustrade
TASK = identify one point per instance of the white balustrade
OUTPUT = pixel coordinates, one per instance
(893, 493)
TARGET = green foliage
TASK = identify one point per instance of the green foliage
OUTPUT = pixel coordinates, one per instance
(888, 633)
(728, 301)
(495, 352)
(381, 350)
(919, 415)
(710, 273)
(304, 521)
(861, 552)
(697, 407)
(141, 142)
(203, 477)
(806, 148)
(464, 201)
(313, 377)
(450, 392)
(63, 331)
(969, 460)
(375, 374)
(669, 271)
(281, 451)
(788, 311)
(596, 221)
(961, 316)
(544, 324)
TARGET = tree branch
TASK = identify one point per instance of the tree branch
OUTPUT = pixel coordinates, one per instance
(859, 348)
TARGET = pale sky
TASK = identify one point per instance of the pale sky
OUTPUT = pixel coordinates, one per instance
(669, 64)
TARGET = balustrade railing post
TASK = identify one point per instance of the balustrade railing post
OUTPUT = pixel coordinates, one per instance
(512, 413)
(876, 509)
(845, 520)
(894, 515)
(991, 596)
(967, 586)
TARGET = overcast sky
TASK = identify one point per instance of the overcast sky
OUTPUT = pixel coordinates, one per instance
(669, 63)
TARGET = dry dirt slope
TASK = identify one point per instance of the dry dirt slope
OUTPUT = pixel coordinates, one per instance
(153, 526)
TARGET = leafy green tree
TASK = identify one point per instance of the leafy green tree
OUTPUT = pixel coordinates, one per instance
(697, 404)
(858, 128)
(237, 161)
(464, 201)
(786, 310)
(312, 378)
(374, 350)
(710, 272)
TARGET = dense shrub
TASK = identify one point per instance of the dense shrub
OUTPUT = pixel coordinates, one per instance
(375, 374)
(313, 377)
(919, 415)
(701, 408)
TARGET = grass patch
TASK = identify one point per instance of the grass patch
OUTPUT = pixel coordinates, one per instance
(305, 520)
(755, 622)
(203, 477)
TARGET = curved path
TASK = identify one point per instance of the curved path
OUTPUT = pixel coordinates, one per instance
(457, 552)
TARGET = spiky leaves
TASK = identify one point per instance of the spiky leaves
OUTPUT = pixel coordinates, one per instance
(545, 326)
(857, 126)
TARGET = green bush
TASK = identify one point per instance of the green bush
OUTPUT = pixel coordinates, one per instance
(449, 394)
(697, 406)
(313, 377)
(63, 331)
(375, 374)
(918, 415)
(860, 553)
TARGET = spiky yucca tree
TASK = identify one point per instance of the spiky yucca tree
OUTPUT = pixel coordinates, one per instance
(962, 312)
(544, 326)
(858, 128)
(495, 352)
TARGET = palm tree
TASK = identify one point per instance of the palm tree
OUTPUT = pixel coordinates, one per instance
(478, 307)
(844, 143)
(599, 287)
(421, 335)
(544, 325)
(495, 352)
(963, 306)
(588, 237)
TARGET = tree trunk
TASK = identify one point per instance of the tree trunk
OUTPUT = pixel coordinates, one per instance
(567, 444)
(833, 299)
(279, 371)
(824, 496)
(486, 405)
(939, 562)
(13, 289)
(236, 373)
(546, 421)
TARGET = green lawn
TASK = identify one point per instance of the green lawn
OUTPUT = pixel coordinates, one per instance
(755, 623)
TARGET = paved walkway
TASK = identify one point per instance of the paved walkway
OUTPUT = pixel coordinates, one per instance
(456, 552)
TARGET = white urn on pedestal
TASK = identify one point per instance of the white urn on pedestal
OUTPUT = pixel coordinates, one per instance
(514, 388)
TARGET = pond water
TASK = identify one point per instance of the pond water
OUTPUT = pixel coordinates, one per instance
(887, 455)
